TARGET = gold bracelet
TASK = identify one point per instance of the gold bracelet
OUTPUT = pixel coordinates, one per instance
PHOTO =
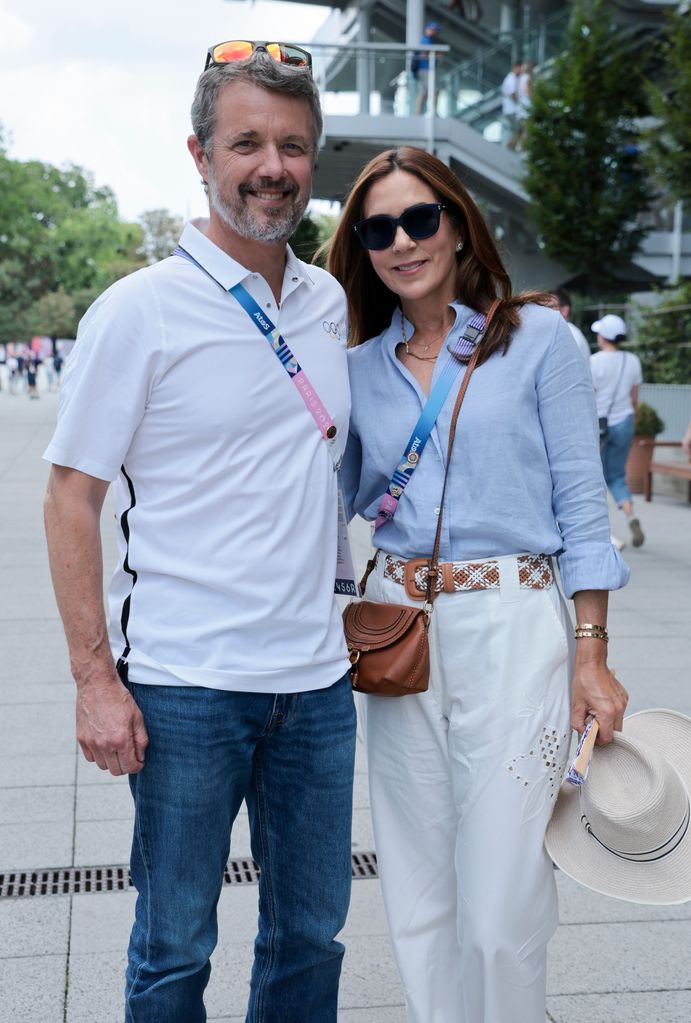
(589, 631)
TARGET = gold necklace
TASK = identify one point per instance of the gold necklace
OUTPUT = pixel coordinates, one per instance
(425, 348)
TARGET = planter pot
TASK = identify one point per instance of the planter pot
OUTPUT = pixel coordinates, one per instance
(640, 457)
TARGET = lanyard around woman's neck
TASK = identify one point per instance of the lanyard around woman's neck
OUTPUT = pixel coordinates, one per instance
(428, 417)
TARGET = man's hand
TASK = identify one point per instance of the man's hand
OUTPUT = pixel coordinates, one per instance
(597, 692)
(110, 727)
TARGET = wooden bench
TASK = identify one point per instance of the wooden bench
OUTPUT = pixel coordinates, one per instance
(678, 469)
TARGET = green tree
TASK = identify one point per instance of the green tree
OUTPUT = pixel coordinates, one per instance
(53, 313)
(306, 239)
(162, 231)
(663, 338)
(668, 143)
(583, 173)
(56, 230)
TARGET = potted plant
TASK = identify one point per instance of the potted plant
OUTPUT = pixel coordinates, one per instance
(647, 425)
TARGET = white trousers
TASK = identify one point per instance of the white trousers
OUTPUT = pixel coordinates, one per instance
(463, 779)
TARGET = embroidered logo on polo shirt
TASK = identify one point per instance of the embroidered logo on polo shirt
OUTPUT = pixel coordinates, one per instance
(332, 329)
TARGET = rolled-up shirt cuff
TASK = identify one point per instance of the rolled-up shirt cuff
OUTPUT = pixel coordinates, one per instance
(592, 566)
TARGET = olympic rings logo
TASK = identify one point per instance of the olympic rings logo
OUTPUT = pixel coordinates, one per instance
(332, 329)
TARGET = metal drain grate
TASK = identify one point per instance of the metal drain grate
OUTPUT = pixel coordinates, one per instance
(18, 884)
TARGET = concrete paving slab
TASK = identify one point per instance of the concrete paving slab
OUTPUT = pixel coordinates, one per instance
(590, 958)
(639, 1007)
(27, 730)
(363, 839)
(46, 804)
(366, 916)
(102, 842)
(105, 802)
(240, 845)
(34, 927)
(648, 653)
(37, 769)
(16, 692)
(369, 977)
(101, 922)
(360, 791)
(33, 846)
(33, 652)
(90, 774)
(33, 989)
(96, 984)
(578, 905)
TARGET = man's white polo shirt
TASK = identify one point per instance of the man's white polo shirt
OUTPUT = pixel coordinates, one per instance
(225, 490)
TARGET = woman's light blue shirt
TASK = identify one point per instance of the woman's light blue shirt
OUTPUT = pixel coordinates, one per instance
(525, 470)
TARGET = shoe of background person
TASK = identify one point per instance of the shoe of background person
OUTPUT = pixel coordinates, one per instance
(619, 544)
(637, 537)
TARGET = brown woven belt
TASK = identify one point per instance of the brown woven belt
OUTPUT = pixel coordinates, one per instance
(534, 573)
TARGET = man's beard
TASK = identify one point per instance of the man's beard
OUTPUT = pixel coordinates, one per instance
(275, 225)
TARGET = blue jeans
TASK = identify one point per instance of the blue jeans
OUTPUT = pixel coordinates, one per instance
(614, 452)
(291, 757)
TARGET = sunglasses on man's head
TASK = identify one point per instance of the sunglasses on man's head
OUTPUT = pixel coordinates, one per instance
(419, 222)
(242, 49)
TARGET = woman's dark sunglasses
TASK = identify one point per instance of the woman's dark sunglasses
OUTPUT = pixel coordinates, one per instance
(418, 222)
(242, 49)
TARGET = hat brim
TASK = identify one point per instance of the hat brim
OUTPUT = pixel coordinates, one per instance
(664, 882)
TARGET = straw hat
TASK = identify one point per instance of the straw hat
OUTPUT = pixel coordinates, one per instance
(625, 832)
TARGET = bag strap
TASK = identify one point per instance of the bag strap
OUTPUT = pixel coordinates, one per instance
(433, 564)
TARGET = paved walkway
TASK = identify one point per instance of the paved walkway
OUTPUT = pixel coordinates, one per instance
(62, 955)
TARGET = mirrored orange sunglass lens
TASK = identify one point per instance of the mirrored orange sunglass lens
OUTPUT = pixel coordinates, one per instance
(295, 57)
(274, 50)
(232, 51)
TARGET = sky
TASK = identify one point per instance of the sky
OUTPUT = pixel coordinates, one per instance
(108, 86)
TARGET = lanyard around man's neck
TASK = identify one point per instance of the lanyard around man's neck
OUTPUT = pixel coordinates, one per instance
(313, 402)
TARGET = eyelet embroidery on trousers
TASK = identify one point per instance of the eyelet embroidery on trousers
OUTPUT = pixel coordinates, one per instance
(547, 757)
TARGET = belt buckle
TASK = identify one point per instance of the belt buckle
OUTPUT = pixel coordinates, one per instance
(409, 570)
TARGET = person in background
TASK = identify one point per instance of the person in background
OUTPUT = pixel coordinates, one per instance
(686, 440)
(32, 365)
(463, 777)
(509, 106)
(222, 673)
(421, 67)
(523, 99)
(617, 376)
(562, 302)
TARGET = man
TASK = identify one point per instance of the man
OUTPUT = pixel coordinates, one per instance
(421, 62)
(562, 302)
(222, 673)
(509, 106)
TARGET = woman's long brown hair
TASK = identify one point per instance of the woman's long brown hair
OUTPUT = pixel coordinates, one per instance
(480, 277)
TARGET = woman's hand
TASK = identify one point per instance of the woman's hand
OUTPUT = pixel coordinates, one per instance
(597, 692)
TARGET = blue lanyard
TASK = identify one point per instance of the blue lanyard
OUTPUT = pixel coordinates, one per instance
(313, 402)
(428, 417)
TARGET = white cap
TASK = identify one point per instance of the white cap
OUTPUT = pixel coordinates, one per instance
(610, 326)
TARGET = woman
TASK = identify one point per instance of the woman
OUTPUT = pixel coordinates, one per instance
(464, 776)
(617, 376)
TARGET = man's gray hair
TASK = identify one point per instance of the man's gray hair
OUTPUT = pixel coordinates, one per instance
(263, 71)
